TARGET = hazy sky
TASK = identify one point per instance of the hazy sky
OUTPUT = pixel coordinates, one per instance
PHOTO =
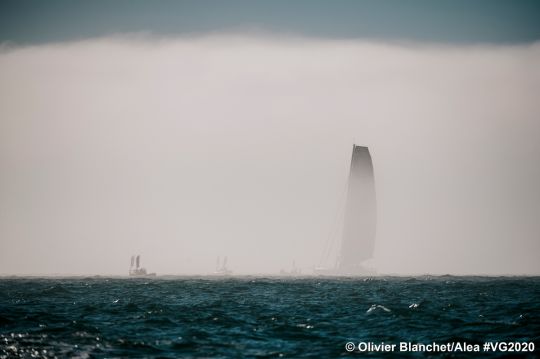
(184, 131)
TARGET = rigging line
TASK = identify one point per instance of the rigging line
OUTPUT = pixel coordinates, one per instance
(329, 244)
(331, 239)
(335, 237)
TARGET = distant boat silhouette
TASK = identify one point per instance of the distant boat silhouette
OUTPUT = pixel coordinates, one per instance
(222, 270)
(358, 241)
(135, 270)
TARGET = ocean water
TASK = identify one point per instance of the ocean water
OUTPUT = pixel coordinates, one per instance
(262, 317)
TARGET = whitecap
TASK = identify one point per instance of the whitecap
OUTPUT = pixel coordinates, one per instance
(377, 306)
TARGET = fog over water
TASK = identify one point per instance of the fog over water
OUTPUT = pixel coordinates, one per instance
(186, 149)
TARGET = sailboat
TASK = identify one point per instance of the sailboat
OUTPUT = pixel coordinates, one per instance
(135, 269)
(222, 270)
(359, 224)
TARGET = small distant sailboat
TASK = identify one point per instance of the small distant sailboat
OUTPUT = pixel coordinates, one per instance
(358, 239)
(222, 270)
(135, 270)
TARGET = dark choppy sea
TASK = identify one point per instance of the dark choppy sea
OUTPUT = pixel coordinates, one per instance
(262, 317)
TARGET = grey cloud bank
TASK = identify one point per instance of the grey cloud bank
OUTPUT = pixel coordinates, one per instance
(187, 149)
(455, 21)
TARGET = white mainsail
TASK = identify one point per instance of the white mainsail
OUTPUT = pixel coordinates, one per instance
(358, 238)
(360, 213)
